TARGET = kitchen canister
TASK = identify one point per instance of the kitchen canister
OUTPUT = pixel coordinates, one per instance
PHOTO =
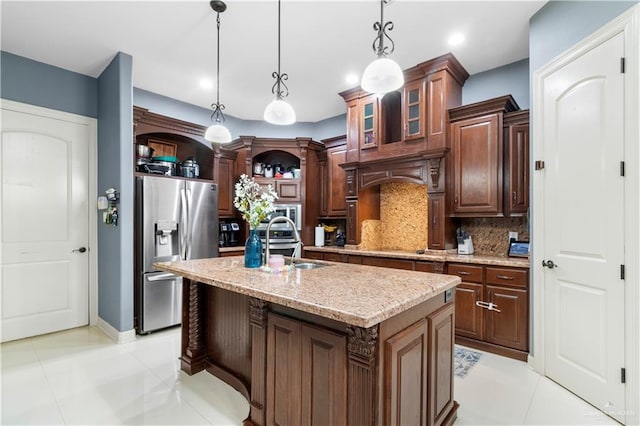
(319, 236)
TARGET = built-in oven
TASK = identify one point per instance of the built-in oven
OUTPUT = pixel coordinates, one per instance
(281, 235)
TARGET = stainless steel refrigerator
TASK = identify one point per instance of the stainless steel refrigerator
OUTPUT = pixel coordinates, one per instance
(176, 219)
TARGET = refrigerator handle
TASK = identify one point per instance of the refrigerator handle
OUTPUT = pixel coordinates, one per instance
(184, 224)
(189, 236)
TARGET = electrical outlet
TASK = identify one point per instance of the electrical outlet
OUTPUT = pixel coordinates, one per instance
(513, 236)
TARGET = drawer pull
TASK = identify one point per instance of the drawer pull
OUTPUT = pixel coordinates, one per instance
(504, 277)
(463, 273)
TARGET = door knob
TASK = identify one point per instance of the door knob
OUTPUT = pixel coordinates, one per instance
(549, 264)
(81, 250)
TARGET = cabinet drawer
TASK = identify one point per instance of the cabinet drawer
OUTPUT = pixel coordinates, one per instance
(424, 266)
(388, 263)
(313, 255)
(334, 257)
(508, 277)
(468, 273)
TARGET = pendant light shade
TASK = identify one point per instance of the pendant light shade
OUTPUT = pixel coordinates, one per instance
(382, 75)
(217, 132)
(279, 111)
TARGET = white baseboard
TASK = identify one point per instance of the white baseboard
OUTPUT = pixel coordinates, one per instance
(115, 335)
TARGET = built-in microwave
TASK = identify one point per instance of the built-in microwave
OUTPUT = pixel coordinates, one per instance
(292, 211)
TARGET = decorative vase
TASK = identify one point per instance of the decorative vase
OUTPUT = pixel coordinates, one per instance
(253, 250)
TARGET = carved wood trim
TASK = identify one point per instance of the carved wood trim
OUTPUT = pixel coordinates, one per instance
(434, 171)
(500, 104)
(438, 267)
(258, 310)
(192, 359)
(145, 121)
(362, 375)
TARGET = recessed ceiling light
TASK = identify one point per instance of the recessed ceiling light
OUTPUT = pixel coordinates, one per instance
(456, 39)
(352, 78)
(206, 84)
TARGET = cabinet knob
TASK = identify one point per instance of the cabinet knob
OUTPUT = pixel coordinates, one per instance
(514, 196)
(455, 199)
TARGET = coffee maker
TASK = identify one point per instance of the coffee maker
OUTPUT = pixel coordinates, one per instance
(234, 230)
(225, 230)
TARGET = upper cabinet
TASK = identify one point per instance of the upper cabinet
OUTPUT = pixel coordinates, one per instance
(333, 179)
(408, 121)
(516, 189)
(477, 150)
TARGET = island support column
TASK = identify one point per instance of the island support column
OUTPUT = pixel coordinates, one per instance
(258, 320)
(362, 375)
(193, 349)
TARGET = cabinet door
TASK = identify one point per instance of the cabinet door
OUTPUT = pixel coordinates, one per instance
(477, 157)
(288, 190)
(406, 376)
(441, 338)
(283, 371)
(469, 316)
(369, 122)
(436, 230)
(507, 324)
(324, 377)
(352, 236)
(224, 179)
(517, 182)
(337, 182)
(413, 114)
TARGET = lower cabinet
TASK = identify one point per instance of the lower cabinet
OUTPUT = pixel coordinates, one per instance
(306, 374)
(492, 309)
(418, 371)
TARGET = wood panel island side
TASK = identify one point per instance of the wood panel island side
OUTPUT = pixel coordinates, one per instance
(341, 344)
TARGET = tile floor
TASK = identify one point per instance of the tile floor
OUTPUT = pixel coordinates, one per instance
(81, 377)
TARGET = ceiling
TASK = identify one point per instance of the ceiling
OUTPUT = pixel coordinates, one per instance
(173, 43)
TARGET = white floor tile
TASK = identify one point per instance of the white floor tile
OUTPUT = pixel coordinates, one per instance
(554, 405)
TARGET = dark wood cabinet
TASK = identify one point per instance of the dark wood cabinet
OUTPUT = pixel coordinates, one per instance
(476, 151)
(492, 309)
(408, 121)
(440, 234)
(334, 179)
(516, 189)
(224, 176)
(306, 373)
(407, 374)
(324, 381)
(413, 110)
(477, 148)
(441, 339)
(469, 316)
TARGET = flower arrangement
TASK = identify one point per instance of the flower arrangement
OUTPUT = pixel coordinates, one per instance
(253, 202)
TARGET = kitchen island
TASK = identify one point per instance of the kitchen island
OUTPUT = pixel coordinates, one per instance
(336, 344)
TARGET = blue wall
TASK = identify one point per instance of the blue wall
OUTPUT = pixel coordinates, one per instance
(511, 79)
(561, 24)
(36, 83)
(238, 127)
(115, 170)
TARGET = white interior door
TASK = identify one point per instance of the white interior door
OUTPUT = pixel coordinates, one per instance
(44, 224)
(583, 226)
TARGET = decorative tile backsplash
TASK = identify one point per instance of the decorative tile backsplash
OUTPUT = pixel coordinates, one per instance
(403, 224)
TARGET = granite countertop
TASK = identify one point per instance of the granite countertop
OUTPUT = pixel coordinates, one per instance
(354, 294)
(429, 255)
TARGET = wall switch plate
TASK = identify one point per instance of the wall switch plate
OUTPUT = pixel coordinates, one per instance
(513, 236)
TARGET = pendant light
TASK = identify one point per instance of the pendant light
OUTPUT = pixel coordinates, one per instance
(279, 111)
(382, 75)
(217, 132)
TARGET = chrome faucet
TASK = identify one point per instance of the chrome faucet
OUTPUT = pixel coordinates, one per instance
(297, 252)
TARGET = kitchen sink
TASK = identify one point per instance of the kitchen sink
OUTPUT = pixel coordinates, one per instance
(308, 265)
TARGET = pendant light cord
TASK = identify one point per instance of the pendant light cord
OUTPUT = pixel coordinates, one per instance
(218, 59)
(278, 41)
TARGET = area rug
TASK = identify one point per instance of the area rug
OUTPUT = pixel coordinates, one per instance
(463, 360)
